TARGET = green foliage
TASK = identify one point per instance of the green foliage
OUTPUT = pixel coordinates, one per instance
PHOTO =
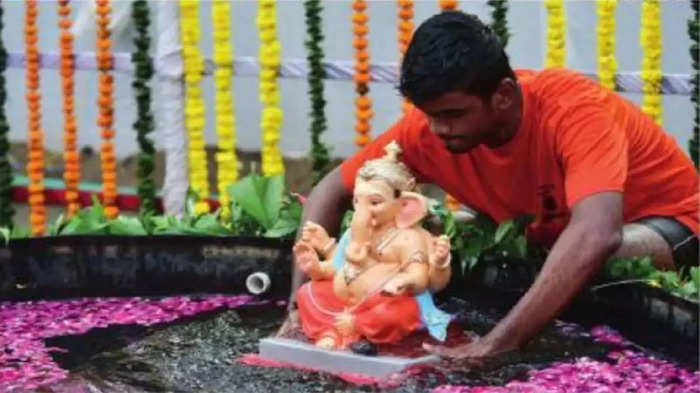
(320, 156)
(144, 125)
(261, 207)
(5, 233)
(6, 210)
(482, 236)
(641, 269)
(499, 23)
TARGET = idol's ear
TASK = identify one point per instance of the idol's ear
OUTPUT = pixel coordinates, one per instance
(414, 207)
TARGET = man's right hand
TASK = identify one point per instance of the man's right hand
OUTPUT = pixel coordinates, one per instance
(290, 324)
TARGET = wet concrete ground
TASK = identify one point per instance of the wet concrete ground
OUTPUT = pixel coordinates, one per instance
(200, 354)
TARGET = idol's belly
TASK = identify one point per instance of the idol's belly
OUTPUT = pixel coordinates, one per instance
(354, 288)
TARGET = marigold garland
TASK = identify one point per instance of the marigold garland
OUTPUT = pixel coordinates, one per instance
(71, 157)
(607, 65)
(363, 104)
(270, 58)
(556, 34)
(650, 38)
(227, 164)
(693, 30)
(405, 33)
(35, 151)
(105, 103)
(144, 125)
(194, 103)
(6, 210)
(448, 5)
(314, 38)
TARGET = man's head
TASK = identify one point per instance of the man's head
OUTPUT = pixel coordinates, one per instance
(456, 71)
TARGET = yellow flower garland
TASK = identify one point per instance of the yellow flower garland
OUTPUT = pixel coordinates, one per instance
(651, 62)
(227, 163)
(607, 65)
(194, 104)
(556, 34)
(271, 121)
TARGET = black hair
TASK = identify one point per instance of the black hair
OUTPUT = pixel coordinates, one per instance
(453, 50)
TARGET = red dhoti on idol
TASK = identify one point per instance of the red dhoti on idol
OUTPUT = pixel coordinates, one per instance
(379, 318)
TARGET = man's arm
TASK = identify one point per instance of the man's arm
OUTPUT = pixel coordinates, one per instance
(592, 235)
(325, 206)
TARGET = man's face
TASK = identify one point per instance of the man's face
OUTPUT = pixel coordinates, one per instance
(462, 121)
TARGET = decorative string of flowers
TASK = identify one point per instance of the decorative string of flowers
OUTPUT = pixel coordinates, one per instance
(693, 30)
(144, 125)
(607, 65)
(105, 103)
(650, 38)
(556, 34)
(405, 33)
(6, 210)
(71, 157)
(270, 58)
(499, 23)
(363, 104)
(320, 160)
(35, 150)
(227, 164)
(448, 5)
(194, 103)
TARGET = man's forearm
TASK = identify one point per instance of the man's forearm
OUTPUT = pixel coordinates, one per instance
(576, 257)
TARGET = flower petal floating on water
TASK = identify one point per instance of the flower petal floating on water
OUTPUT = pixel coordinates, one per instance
(25, 362)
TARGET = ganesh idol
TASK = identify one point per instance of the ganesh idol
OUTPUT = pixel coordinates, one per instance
(375, 284)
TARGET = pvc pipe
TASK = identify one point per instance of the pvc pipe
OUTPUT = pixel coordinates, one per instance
(257, 283)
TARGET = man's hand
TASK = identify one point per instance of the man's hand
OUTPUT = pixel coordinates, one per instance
(592, 235)
(290, 324)
(477, 349)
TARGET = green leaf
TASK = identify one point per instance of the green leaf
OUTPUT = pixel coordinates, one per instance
(688, 290)
(73, 226)
(19, 232)
(55, 227)
(5, 232)
(127, 226)
(668, 280)
(208, 224)
(284, 226)
(695, 276)
(190, 203)
(503, 229)
(260, 197)
(521, 246)
(97, 212)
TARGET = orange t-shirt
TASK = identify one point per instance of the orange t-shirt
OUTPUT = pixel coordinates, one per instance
(575, 139)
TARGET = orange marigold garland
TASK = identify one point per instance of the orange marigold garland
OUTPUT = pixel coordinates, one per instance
(71, 157)
(106, 109)
(363, 103)
(448, 5)
(405, 33)
(35, 151)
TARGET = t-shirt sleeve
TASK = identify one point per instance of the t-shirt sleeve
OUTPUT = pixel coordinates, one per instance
(404, 132)
(593, 151)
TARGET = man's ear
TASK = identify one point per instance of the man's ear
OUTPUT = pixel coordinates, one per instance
(504, 96)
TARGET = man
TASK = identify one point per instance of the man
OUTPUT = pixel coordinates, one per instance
(601, 178)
